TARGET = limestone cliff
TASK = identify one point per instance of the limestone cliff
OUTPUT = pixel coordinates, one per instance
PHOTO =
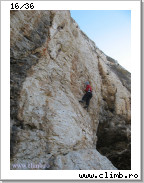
(51, 58)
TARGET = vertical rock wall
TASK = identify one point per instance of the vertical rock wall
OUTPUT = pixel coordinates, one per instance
(51, 58)
(114, 130)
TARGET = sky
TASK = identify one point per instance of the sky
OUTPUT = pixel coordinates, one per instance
(110, 30)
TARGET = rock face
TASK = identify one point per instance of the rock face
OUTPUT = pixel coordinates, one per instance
(114, 130)
(51, 58)
(83, 159)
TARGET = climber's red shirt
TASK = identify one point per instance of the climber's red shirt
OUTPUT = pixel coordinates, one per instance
(88, 87)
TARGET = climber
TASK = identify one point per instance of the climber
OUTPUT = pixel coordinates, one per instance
(87, 96)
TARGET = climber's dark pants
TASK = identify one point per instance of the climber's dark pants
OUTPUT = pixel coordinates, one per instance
(87, 98)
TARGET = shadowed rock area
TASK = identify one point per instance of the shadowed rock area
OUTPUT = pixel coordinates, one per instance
(50, 60)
